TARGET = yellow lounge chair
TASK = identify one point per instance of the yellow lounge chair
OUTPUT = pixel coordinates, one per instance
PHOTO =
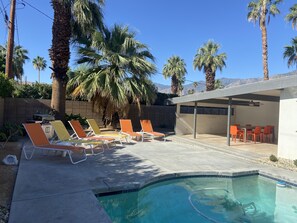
(127, 128)
(40, 141)
(81, 134)
(147, 128)
(97, 132)
(64, 137)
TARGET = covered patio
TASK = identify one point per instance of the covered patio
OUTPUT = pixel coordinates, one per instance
(207, 116)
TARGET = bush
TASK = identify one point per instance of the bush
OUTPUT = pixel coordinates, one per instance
(295, 162)
(35, 90)
(6, 86)
(82, 120)
(273, 158)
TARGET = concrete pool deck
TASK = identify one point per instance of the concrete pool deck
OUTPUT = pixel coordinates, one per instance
(51, 189)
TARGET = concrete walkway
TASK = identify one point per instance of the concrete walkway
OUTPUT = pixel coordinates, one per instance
(51, 189)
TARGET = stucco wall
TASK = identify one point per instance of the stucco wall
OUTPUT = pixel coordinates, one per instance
(287, 144)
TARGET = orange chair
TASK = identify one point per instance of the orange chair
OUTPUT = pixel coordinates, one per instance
(81, 134)
(127, 128)
(40, 141)
(267, 134)
(235, 132)
(256, 134)
(147, 128)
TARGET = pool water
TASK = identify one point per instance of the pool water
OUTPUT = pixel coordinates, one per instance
(205, 199)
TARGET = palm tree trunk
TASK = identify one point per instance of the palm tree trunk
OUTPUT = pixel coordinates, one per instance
(39, 76)
(60, 54)
(264, 41)
(174, 84)
(210, 79)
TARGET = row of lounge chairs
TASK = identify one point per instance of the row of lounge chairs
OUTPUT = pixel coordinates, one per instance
(80, 141)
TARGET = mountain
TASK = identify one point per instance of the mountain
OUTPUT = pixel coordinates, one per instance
(226, 82)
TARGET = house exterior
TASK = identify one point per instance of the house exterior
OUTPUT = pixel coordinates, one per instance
(272, 102)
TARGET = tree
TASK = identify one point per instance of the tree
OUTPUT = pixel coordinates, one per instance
(292, 16)
(291, 53)
(39, 63)
(6, 86)
(20, 56)
(208, 60)
(258, 11)
(72, 18)
(218, 84)
(176, 69)
(116, 71)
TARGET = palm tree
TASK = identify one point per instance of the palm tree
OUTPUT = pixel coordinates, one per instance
(116, 72)
(208, 59)
(176, 69)
(291, 53)
(20, 56)
(258, 11)
(72, 18)
(292, 16)
(39, 63)
(219, 84)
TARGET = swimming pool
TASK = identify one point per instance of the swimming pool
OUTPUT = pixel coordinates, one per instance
(205, 199)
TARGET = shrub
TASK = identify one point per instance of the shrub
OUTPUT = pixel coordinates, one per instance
(295, 162)
(35, 90)
(273, 158)
(82, 120)
(6, 86)
(3, 137)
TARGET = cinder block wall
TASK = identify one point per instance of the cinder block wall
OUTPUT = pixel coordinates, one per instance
(20, 110)
(160, 116)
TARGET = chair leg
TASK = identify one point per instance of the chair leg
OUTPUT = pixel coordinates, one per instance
(26, 154)
(79, 161)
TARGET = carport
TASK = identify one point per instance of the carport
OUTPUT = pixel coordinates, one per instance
(243, 97)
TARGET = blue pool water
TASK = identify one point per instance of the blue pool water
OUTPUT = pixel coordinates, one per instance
(205, 199)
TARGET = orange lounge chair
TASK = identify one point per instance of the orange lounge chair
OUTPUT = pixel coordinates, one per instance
(81, 134)
(147, 128)
(127, 129)
(40, 141)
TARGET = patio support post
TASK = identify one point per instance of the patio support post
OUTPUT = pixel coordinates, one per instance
(229, 120)
(195, 120)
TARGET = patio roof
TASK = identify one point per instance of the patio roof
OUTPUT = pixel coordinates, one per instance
(264, 90)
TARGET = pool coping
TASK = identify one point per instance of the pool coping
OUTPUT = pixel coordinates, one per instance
(133, 187)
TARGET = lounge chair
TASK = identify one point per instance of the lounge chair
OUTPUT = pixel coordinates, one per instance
(147, 128)
(81, 134)
(127, 129)
(40, 141)
(64, 137)
(95, 130)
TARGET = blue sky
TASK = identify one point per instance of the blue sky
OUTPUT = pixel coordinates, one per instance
(170, 27)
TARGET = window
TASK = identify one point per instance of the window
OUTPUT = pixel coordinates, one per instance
(201, 110)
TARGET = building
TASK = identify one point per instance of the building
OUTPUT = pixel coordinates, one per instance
(272, 102)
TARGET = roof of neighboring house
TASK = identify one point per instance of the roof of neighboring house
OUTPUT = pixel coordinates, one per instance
(268, 90)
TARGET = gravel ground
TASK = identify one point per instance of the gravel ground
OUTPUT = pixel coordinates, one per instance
(281, 163)
(7, 179)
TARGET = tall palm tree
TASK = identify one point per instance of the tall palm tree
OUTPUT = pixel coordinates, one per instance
(72, 18)
(292, 16)
(291, 53)
(39, 63)
(117, 70)
(176, 69)
(261, 10)
(208, 59)
(20, 56)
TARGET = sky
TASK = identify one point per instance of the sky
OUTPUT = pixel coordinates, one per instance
(168, 27)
